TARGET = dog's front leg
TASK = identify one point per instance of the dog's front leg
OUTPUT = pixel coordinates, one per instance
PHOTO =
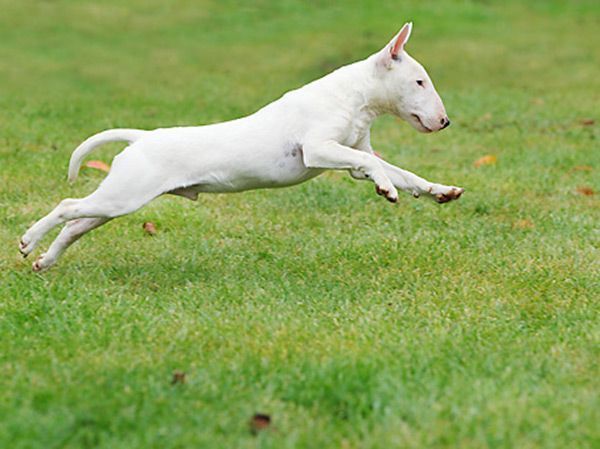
(407, 181)
(417, 186)
(329, 154)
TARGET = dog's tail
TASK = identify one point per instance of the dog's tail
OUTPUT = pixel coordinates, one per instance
(111, 135)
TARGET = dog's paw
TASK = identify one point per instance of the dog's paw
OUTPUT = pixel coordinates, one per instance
(41, 263)
(26, 246)
(389, 192)
(443, 194)
(453, 194)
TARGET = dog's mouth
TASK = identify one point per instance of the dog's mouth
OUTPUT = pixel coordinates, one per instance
(424, 128)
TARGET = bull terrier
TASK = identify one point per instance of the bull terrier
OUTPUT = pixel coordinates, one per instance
(324, 125)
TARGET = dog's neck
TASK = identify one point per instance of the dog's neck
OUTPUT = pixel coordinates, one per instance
(357, 94)
(357, 91)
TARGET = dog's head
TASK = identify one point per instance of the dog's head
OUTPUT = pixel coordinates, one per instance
(406, 87)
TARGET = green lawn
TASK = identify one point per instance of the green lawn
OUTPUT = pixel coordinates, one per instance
(352, 322)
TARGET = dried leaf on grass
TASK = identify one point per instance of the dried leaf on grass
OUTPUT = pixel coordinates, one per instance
(178, 378)
(582, 168)
(585, 190)
(524, 223)
(488, 159)
(259, 422)
(98, 165)
(149, 227)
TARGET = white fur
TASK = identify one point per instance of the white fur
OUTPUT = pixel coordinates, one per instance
(323, 125)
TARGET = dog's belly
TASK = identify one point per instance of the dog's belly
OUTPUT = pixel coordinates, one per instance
(279, 168)
(241, 185)
(221, 183)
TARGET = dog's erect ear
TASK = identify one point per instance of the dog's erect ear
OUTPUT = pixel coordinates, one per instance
(398, 43)
(393, 50)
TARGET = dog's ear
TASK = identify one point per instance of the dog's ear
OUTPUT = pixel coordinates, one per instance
(398, 43)
(394, 49)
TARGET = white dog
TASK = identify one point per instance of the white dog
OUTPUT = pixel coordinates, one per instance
(323, 125)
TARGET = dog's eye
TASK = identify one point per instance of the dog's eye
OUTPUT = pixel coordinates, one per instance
(420, 83)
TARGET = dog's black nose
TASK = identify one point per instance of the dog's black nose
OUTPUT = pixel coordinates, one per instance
(445, 122)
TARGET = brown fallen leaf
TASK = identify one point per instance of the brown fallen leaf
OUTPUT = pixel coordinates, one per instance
(98, 165)
(259, 422)
(178, 378)
(538, 101)
(523, 224)
(582, 168)
(587, 121)
(585, 190)
(149, 227)
(489, 159)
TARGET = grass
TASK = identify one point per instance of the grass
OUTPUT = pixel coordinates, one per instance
(353, 323)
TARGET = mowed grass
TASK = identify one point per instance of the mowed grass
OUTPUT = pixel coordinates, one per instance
(352, 322)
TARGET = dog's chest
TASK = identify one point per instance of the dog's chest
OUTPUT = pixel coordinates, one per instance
(356, 130)
(354, 134)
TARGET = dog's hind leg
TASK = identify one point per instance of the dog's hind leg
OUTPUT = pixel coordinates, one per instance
(125, 189)
(99, 204)
(72, 231)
